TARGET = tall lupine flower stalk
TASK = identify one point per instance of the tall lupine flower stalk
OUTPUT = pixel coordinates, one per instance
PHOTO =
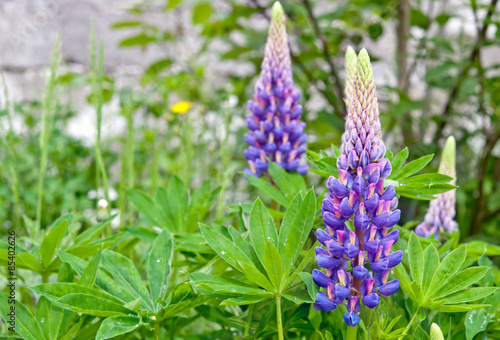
(440, 216)
(276, 132)
(359, 196)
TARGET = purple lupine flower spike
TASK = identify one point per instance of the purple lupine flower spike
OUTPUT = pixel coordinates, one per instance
(440, 216)
(358, 195)
(275, 130)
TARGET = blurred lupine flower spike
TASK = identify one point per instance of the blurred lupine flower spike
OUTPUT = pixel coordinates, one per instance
(350, 74)
(275, 131)
(358, 195)
(440, 216)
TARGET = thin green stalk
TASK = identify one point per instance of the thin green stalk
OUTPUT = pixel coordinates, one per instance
(352, 333)
(408, 327)
(157, 330)
(49, 108)
(278, 317)
(97, 79)
(156, 164)
(127, 169)
(249, 319)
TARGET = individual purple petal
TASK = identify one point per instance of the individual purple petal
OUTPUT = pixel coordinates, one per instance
(320, 278)
(352, 319)
(393, 218)
(389, 193)
(395, 258)
(322, 236)
(337, 188)
(334, 248)
(332, 221)
(326, 261)
(381, 220)
(341, 292)
(389, 288)
(322, 251)
(371, 300)
(351, 250)
(360, 272)
(361, 221)
(345, 208)
(324, 303)
(380, 265)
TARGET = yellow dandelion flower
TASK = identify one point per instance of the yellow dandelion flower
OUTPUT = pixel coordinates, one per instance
(181, 107)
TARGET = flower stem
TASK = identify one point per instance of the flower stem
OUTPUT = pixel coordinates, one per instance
(410, 324)
(278, 317)
(352, 333)
(157, 330)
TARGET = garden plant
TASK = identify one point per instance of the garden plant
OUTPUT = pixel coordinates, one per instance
(233, 208)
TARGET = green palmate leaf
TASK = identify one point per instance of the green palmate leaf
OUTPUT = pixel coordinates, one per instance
(242, 300)
(300, 228)
(467, 295)
(314, 155)
(246, 248)
(391, 324)
(312, 287)
(460, 281)
(102, 279)
(177, 200)
(458, 308)
(447, 268)
(28, 261)
(223, 246)
(125, 274)
(91, 233)
(308, 256)
(117, 325)
(287, 182)
(262, 229)
(149, 209)
(55, 290)
(431, 263)
(404, 279)
(254, 275)
(268, 189)
(416, 258)
(51, 241)
(411, 168)
(42, 314)
(488, 278)
(25, 323)
(399, 159)
(417, 292)
(420, 334)
(201, 200)
(288, 219)
(297, 296)
(93, 305)
(159, 266)
(226, 286)
(65, 273)
(52, 318)
(476, 321)
(273, 265)
(478, 248)
(90, 273)
(428, 179)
